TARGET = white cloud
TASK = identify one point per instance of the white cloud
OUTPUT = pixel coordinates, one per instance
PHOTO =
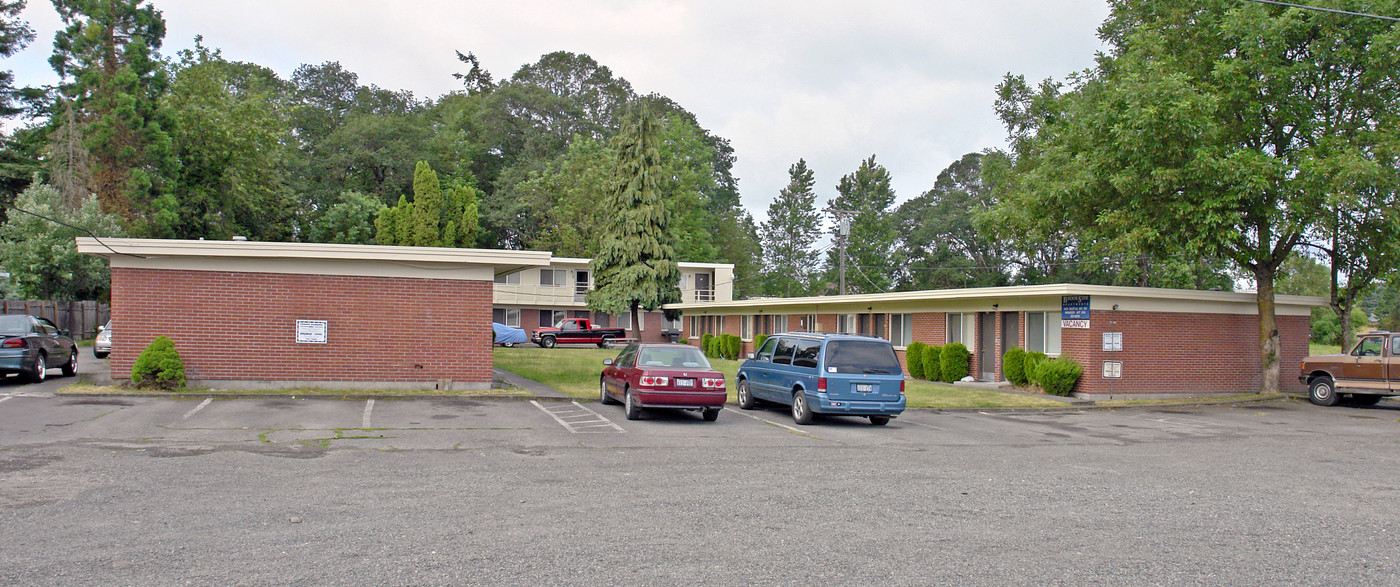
(831, 81)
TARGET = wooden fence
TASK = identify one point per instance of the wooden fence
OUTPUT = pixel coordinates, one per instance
(79, 318)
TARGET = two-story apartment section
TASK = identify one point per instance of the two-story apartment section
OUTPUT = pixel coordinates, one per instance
(537, 297)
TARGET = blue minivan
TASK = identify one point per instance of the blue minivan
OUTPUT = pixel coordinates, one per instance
(839, 374)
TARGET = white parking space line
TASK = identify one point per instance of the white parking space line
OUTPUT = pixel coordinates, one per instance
(197, 408)
(790, 428)
(577, 418)
(6, 398)
(369, 407)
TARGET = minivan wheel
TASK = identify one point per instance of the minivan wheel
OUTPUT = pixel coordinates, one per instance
(746, 400)
(801, 412)
(879, 420)
(1322, 392)
(630, 407)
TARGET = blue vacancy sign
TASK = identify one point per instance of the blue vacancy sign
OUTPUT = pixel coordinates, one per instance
(1074, 311)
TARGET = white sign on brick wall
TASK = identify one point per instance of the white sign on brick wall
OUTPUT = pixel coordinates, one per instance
(311, 331)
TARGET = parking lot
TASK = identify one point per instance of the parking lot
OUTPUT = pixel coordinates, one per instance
(453, 491)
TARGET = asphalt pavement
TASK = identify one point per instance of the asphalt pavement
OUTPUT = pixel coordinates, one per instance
(204, 491)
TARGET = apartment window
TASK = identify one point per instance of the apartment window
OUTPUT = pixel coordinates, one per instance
(1043, 332)
(624, 320)
(746, 327)
(671, 325)
(847, 323)
(554, 277)
(809, 323)
(955, 328)
(779, 324)
(508, 316)
(551, 317)
(509, 278)
(601, 320)
(901, 329)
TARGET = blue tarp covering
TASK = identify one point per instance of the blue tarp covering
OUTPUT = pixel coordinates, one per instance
(505, 334)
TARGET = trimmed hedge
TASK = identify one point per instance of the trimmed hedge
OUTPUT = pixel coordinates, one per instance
(1013, 365)
(159, 366)
(707, 344)
(933, 363)
(758, 341)
(729, 346)
(955, 361)
(1029, 363)
(914, 359)
(1058, 376)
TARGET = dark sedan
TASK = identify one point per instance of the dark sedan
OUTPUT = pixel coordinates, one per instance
(662, 376)
(30, 346)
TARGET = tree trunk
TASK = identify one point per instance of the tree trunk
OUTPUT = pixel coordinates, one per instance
(1269, 344)
(636, 323)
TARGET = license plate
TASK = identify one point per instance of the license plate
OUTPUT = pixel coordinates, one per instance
(685, 382)
(864, 388)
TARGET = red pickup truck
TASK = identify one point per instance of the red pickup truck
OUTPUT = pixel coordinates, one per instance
(1371, 371)
(575, 331)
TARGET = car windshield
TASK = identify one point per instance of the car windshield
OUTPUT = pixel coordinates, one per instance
(14, 324)
(861, 356)
(680, 357)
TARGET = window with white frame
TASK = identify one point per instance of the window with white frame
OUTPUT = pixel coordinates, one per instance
(508, 316)
(509, 278)
(779, 324)
(624, 320)
(846, 323)
(554, 277)
(746, 327)
(671, 325)
(551, 317)
(809, 323)
(901, 329)
(955, 329)
(1043, 332)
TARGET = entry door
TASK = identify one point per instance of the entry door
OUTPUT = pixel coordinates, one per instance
(580, 285)
(1010, 334)
(986, 346)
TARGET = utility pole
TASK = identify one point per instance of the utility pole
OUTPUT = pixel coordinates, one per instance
(843, 234)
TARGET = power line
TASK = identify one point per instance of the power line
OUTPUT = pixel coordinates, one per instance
(1321, 9)
(78, 228)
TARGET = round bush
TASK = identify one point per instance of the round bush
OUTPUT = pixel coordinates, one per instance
(955, 361)
(159, 366)
(932, 365)
(732, 344)
(1029, 363)
(1058, 376)
(707, 344)
(914, 359)
(1013, 365)
(758, 341)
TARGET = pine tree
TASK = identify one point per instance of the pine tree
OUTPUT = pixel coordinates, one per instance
(792, 228)
(870, 248)
(636, 263)
(427, 207)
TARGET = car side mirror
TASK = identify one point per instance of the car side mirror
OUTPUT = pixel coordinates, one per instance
(607, 361)
(749, 356)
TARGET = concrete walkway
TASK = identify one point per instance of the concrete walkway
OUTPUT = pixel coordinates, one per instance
(529, 385)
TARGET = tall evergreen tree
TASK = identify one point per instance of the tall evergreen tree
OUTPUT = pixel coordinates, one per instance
(870, 248)
(636, 265)
(107, 58)
(790, 233)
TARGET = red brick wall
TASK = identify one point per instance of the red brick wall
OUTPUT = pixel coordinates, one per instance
(242, 326)
(1189, 354)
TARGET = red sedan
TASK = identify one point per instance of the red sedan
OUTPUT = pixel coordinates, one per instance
(662, 376)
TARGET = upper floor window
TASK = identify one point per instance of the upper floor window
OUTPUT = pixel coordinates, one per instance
(509, 278)
(554, 277)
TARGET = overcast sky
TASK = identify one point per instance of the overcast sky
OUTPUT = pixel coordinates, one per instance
(909, 81)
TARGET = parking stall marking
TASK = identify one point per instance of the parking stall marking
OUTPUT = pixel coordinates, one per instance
(577, 418)
(790, 428)
(197, 408)
(369, 407)
(6, 398)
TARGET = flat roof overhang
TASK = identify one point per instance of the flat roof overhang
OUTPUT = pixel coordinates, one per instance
(1010, 298)
(311, 258)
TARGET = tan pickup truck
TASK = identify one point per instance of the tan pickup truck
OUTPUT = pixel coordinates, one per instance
(1368, 373)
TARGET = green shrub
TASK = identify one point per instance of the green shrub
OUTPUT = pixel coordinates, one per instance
(758, 341)
(954, 361)
(159, 366)
(1029, 363)
(707, 344)
(1013, 365)
(932, 363)
(914, 359)
(1058, 376)
(729, 346)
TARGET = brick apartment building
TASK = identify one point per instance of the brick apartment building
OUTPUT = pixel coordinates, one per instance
(1138, 342)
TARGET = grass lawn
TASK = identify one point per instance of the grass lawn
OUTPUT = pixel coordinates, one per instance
(84, 388)
(575, 371)
(1317, 348)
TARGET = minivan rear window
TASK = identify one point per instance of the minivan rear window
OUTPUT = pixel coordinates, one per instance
(861, 356)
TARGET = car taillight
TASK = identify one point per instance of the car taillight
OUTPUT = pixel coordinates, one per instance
(901, 386)
(712, 383)
(821, 384)
(652, 381)
(13, 343)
